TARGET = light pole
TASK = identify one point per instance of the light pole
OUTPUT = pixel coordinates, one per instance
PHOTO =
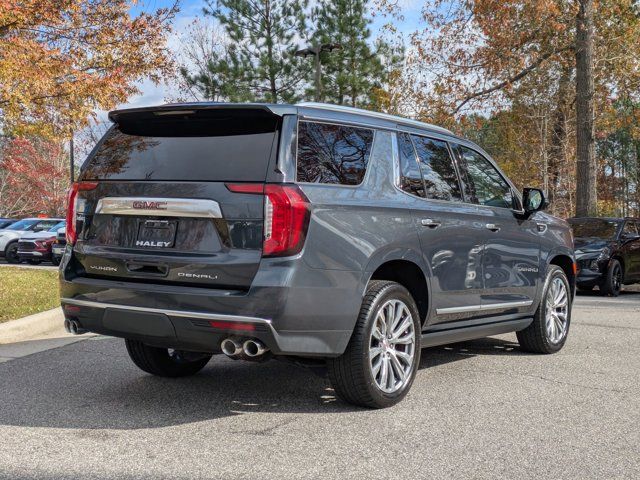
(315, 51)
(71, 158)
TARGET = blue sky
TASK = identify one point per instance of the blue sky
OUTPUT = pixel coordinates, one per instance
(190, 9)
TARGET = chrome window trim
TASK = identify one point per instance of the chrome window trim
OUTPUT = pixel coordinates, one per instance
(172, 207)
(371, 114)
(484, 307)
(171, 313)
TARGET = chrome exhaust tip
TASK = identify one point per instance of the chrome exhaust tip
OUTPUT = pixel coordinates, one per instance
(74, 327)
(254, 348)
(231, 348)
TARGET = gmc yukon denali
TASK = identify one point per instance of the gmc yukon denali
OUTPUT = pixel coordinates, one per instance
(328, 236)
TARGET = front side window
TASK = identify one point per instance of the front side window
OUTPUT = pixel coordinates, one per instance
(333, 154)
(484, 183)
(410, 174)
(438, 171)
(630, 228)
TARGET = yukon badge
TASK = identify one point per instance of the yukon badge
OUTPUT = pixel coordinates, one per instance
(144, 205)
(103, 268)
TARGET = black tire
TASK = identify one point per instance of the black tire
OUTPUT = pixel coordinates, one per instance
(350, 374)
(33, 261)
(164, 362)
(55, 261)
(613, 281)
(11, 253)
(535, 338)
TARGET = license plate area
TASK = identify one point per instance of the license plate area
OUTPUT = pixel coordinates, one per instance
(156, 233)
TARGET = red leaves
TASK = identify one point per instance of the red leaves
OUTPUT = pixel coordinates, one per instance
(34, 177)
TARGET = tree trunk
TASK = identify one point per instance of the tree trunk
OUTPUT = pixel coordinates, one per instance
(557, 149)
(586, 193)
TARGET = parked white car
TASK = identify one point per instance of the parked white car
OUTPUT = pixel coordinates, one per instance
(9, 236)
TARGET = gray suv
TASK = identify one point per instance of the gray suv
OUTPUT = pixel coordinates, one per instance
(328, 236)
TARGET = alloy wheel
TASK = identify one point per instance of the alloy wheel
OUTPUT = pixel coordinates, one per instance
(392, 346)
(557, 311)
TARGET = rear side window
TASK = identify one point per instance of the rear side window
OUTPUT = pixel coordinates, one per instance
(410, 174)
(485, 184)
(46, 224)
(202, 146)
(439, 173)
(333, 154)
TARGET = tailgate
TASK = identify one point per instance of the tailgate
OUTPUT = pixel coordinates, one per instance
(161, 211)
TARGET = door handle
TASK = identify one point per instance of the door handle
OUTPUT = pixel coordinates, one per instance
(493, 227)
(430, 222)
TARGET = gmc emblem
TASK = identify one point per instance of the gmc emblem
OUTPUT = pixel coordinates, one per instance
(142, 205)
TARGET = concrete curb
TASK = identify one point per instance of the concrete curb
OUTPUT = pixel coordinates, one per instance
(35, 325)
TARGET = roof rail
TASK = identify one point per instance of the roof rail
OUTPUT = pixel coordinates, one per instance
(368, 113)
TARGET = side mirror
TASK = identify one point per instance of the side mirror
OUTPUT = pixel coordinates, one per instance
(533, 200)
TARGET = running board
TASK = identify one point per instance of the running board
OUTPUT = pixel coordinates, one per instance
(443, 337)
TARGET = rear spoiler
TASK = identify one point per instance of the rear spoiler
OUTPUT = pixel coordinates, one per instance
(189, 108)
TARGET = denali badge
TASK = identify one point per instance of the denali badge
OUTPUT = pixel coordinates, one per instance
(151, 243)
(142, 205)
(525, 268)
(103, 268)
(197, 275)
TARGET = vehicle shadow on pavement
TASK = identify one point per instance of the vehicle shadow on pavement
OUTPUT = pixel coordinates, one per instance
(93, 385)
(435, 356)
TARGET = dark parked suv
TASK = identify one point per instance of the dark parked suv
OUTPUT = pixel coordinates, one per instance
(322, 234)
(607, 252)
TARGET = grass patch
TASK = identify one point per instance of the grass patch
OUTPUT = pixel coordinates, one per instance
(24, 291)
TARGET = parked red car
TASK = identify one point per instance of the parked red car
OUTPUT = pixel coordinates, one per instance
(36, 247)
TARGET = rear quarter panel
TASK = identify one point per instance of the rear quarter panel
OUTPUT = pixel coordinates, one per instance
(359, 228)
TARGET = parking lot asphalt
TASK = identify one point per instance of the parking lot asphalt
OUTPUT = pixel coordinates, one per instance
(480, 409)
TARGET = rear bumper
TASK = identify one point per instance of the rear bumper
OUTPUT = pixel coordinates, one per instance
(294, 310)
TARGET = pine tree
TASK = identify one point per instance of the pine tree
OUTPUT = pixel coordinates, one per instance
(260, 64)
(351, 74)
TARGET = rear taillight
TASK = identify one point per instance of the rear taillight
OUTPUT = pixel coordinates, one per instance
(72, 208)
(286, 217)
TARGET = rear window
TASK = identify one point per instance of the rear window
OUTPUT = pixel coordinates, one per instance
(209, 146)
(334, 154)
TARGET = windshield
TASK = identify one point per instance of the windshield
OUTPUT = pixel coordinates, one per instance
(22, 225)
(594, 228)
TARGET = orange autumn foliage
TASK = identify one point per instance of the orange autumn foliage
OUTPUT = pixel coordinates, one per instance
(62, 59)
